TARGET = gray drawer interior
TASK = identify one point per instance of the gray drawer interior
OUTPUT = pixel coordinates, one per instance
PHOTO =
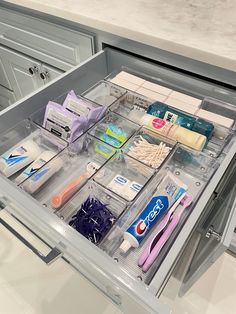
(80, 79)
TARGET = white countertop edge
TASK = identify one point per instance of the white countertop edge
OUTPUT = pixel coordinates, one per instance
(153, 41)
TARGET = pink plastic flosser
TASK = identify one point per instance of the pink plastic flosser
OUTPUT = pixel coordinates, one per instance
(163, 232)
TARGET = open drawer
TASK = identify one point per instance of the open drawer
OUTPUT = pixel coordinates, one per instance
(128, 292)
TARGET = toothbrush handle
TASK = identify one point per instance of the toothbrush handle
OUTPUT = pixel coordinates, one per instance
(59, 199)
(157, 232)
(144, 256)
(156, 250)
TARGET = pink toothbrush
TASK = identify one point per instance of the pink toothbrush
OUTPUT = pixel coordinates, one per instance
(163, 232)
(159, 231)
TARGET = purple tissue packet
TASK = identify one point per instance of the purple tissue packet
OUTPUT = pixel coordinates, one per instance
(63, 123)
(84, 107)
(93, 220)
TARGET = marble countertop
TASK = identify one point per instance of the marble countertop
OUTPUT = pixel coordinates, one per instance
(202, 30)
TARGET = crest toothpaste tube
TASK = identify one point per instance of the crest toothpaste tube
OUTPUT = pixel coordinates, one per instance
(35, 166)
(168, 192)
(14, 160)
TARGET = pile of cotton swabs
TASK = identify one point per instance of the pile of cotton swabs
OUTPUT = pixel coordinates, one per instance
(151, 154)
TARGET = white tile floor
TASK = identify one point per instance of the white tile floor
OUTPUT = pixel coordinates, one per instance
(27, 286)
(214, 293)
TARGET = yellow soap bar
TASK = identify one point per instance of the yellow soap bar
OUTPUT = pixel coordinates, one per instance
(227, 122)
(181, 105)
(150, 94)
(157, 88)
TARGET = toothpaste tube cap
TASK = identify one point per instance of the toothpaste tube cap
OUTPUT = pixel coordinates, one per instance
(125, 246)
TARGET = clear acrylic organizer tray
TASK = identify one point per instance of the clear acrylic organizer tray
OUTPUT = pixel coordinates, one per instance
(124, 176)
(92, 220)
(162, 86)
(222, 109)
(131, 106)
(149, 148)
(136, 109)
(22, 145)
(194, 169)
(104, 93)
(86, 118)
(114, 130)
(68, 172)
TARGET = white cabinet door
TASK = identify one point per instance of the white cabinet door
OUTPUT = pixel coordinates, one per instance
(6, 97)
(22, 72)
(4, 81)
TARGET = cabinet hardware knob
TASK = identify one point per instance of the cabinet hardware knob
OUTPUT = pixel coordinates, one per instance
(44, 75)
(33, 70)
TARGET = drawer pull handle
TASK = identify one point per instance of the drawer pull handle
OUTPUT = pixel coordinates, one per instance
(33, 70)
(211, 233)
(48, 259)
(44, 75)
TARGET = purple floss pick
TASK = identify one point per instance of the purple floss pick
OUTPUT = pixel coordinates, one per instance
(93, 220)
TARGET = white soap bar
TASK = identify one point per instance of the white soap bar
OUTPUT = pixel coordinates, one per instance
(215, 118)
(178, 104)
(131, 190)
(186, 98)
(125, 84)
(150, 94)
(157, 88)
(130, 78)
(118, 183)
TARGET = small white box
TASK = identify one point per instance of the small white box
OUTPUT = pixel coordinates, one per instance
(215, 118)
(157, 88)
(150, 94)
(124, 84)
(186, 98)
(130, 78)
(178, 104)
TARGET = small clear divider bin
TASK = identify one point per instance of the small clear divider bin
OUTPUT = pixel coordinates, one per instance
(131, 106)
(149, 147)
(25, 148)
(68, 116)
(223, 116)
(124, 176)
(55, 183)
(93, 211)
(104, 93)
(114, 130)
(154, 223)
